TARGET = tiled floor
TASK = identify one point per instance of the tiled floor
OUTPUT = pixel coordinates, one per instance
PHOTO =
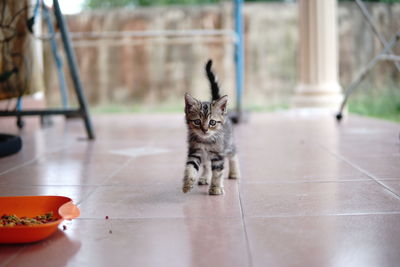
(313, 193)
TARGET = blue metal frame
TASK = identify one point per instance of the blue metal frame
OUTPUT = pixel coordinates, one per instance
(239, 55)
(82, 111)
(57, 57)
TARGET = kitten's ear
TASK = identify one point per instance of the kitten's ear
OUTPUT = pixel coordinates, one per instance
(190, 101)
(221, 104)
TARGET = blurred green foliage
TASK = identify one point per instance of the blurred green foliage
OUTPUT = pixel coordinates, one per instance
(383, 103)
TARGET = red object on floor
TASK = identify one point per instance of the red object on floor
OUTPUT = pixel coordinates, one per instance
(31, 206)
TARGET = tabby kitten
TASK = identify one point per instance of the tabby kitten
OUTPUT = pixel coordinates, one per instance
(210, 140)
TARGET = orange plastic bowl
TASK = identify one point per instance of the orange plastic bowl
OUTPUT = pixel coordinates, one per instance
(32, 206)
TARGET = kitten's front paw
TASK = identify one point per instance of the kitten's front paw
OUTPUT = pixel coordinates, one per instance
(203, 181)
(216, 190)
(234, 176)
(187, 184)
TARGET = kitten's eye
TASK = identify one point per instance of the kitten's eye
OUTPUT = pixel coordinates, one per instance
(212, 122)
(197, 122)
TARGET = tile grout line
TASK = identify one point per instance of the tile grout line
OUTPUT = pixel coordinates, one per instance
(129, 160)
(235, 217)
(19, 166)
(31, 161)
(159, 218)
(314, 181)
(249, 255)
(10, 259)
(327, 215)
(244, 183)
(371, 176)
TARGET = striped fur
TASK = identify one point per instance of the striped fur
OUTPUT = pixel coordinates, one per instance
(210, 140)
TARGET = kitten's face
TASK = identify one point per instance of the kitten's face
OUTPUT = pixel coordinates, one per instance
(204, 118)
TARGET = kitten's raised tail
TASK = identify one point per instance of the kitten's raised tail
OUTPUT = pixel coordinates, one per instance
(213, 81)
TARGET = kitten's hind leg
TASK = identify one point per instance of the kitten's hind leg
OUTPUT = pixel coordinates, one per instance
(206, 174)
(234, 170)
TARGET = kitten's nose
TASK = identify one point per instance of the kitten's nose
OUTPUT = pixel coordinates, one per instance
(205, 130)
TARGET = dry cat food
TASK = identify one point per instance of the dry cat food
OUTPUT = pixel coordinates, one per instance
(8, 220)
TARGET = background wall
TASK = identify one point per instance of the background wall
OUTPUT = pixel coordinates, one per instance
(157, 71)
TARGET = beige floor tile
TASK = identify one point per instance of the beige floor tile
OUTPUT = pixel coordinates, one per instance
(148, 242)
(363, 240)
(166, 200)
(299, 199)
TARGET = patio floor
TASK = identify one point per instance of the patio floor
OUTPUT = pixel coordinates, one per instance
(313, 193)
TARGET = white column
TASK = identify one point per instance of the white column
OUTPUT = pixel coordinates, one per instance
(318, 85)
